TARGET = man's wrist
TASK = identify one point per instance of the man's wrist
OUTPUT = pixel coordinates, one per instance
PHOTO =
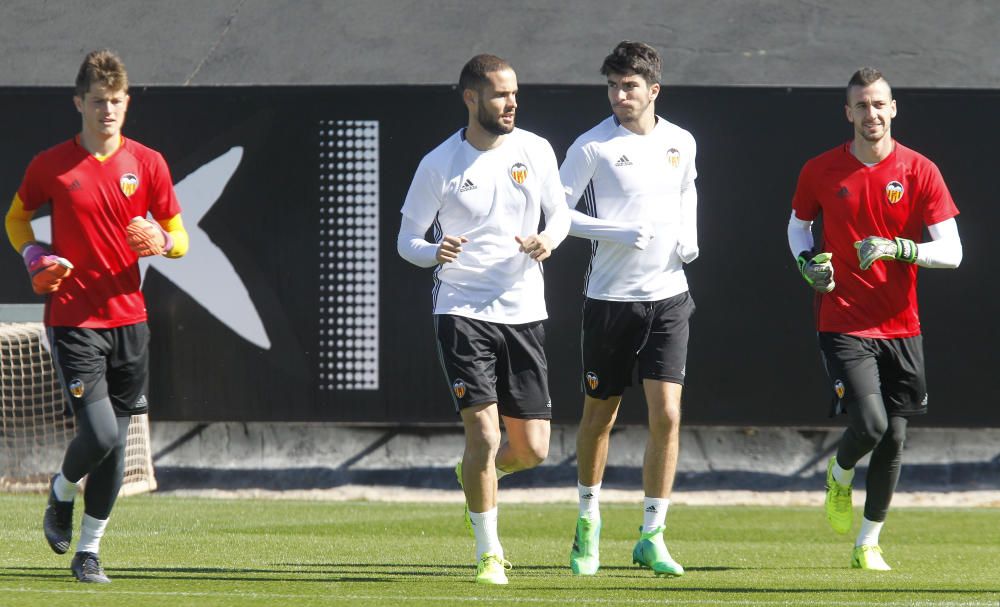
(906, 250)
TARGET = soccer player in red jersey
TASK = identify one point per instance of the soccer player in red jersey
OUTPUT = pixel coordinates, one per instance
(100, 187)
(875, 196)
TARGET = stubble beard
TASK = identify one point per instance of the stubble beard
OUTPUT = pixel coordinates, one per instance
(494, 126)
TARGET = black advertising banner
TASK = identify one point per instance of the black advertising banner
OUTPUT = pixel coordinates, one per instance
(293, 305)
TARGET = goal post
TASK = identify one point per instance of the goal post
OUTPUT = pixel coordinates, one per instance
(34, 426)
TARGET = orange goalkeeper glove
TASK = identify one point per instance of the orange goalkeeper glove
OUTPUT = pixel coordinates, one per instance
(146, 238)
(47, 271)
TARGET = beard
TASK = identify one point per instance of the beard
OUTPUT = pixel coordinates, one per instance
(624, 114)
(492, 125)
(873, 137)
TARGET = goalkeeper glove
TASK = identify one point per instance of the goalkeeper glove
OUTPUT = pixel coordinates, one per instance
(817, 270)
(875, 248)
(47, 271)
(146, 238)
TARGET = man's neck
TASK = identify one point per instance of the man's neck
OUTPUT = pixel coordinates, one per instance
(481, 139)
(868, 152)
(643, 125)
(99, 145)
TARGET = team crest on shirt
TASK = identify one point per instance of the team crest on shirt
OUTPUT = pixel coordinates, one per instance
(519, 173)
(894, 191)
(838, 387)
(591, 379)
(674, 157)
(458, 388)
(129, 183)
(76, 388)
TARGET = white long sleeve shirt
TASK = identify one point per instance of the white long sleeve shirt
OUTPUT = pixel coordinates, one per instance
(489, 197)
(640, 192)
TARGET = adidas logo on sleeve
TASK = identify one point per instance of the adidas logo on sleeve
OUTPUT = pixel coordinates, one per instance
(623, 161)
(467, 186)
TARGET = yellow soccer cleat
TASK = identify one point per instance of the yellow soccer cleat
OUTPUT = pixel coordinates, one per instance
(492, 569)
(839, 509)
(869, 557)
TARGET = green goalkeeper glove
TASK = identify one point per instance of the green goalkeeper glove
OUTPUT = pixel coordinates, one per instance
(875, 248)
(817, 270)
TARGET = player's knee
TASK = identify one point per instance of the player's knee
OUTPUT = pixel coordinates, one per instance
(666, 421)
(597, 420)
(536, 454)
(869, 419)
(895, 435)
(105, 442)
(873, 431)
(483, 442)
(99, 439)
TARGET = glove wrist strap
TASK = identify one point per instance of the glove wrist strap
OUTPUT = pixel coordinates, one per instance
(906, 250)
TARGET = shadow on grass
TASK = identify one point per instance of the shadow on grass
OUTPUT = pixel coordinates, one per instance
(326, 573)
(680, 588)
(188, 573)
(555, 569)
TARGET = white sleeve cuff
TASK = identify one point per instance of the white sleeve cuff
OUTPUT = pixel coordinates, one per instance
(945, 248)
(800, 236)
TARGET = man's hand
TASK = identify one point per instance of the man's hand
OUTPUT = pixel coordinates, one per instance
(145, 238)
(641, 234)
(47, 271)
(876, 248)
(449, 248)
(817, 270)
(537, 246)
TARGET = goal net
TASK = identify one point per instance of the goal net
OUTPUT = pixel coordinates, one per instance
(34, 428)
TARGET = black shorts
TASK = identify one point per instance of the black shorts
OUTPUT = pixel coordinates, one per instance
(893, 368)
(486, 362)
(103, 363)
(617, 334)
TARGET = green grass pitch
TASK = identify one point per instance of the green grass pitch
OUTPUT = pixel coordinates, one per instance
(175, 552)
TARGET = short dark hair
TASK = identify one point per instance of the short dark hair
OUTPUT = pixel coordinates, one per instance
(102, 67)
(865, 76)
(474, 73)
(635, 58)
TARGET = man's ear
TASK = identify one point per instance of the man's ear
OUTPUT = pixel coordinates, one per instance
(470, 97)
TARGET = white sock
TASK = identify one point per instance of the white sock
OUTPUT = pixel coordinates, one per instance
(842, 476)
(484, 527)
(868, 536)
(65, 490)
(654, 512)
(501, 473)
(590, 506)
(91, 532)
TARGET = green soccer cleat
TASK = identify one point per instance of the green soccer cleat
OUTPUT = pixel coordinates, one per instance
(468, 519)
(651, 552)
(492, 569)
(584, 558)
(869, 557)
(839, 509)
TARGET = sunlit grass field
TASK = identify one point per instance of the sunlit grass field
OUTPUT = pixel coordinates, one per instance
(174, 551)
